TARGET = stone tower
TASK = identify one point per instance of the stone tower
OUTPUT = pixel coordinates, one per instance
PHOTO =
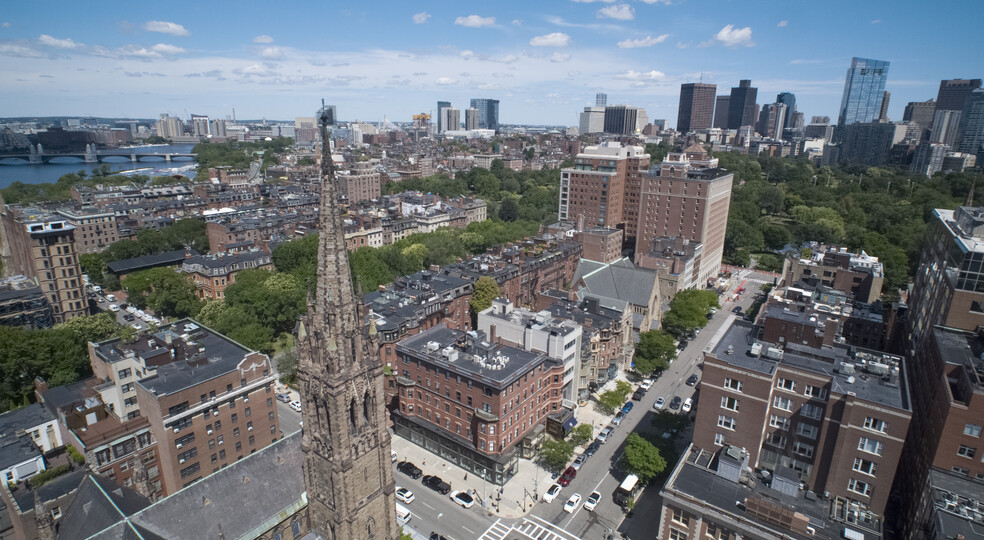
(347, 465)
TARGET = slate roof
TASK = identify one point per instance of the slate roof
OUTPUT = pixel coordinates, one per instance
(148, 261)
(618, 280)
(22, 419)
(98, 504)
(16, 450)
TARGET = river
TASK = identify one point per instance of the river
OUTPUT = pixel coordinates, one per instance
(18, 170)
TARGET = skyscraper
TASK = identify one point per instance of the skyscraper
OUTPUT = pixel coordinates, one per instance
(488, 113)
(621, 119)
(771, 120)
(471, 118)
(601, 99)
(721, 112)
(883, 111)
(742, 108)
(346, 442)
(789, 100)
(696, 110)
(441, 105)
(954, 92)
(972, 123)
(451, 118)
(864, 90)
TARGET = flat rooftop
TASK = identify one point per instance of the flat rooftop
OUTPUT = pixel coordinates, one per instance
(861, 377)
(470, 355)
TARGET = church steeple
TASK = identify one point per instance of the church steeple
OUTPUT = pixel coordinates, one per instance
(346, 444)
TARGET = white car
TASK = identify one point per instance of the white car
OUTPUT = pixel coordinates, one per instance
(659, 403)
(111, 297)
(687, 405)
(592, 501)
(131, 310)
(140, 313)
(571, 505)
(646, 384)
(552, 493)
(136, 326)
(404, 495)
(96, 288)
(296, 405)
(114, 308)
(605, 434)
(463, 498)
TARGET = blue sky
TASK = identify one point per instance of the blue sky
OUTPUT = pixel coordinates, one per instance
(544, 60)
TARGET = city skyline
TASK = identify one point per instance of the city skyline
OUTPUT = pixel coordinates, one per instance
(543, 66)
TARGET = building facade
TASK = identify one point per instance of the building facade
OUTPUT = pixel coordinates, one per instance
(488, 113)
(742, 107)
(696, 111)
(212, 273)
(864, 89)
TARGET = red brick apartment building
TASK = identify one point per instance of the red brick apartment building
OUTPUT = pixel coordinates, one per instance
(212, 273)
(473, 402)
(603, 186)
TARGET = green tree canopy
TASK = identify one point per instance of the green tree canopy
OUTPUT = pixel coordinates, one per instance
(654, 351)
(486, 290)
(580, 434)
(642, 458)
(163, 290)
(555, 454)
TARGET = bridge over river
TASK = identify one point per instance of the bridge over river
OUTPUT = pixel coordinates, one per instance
(37, 154)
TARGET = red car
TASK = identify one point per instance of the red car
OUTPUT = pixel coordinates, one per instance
(568, 475)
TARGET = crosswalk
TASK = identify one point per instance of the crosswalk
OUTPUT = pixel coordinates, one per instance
(531, 527)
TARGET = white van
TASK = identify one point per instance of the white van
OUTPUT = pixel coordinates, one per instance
(403, 515)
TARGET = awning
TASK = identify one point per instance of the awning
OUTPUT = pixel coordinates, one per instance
(570, 423)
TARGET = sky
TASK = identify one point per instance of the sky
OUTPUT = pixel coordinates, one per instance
(544, 60)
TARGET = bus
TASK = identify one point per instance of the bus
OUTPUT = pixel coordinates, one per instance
(628, 491)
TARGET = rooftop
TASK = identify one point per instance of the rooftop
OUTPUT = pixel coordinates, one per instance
(24, 418)
(502, 309)
(149, 261)
(18, 287)
(226, 260)
(869, 375)
(966, 224)
(470, 355)
(959, 504)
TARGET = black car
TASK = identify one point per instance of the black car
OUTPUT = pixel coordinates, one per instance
(128, 318)
(435, 536)
(692, 380)
(592, 448)
(438, 485)
(736, 310)
(675, 404)
(638, 394)
(409, 469)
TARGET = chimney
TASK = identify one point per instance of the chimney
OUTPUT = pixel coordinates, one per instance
(492, 333)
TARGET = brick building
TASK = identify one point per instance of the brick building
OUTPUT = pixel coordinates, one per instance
(860, 275)
(23, 303)
(212, 273)
(42, 245)
(362, 183)
(603, 186)
(676, 259)
(477, 401)
(601, 244)
(95, 229)
(831, 418)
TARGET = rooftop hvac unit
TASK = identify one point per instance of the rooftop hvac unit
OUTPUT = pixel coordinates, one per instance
(182, 460)
(179, 445)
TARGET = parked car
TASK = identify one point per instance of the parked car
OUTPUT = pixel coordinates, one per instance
(646, 384)
(404, 495)
(571, 505)
(736, 310)
(552, 493)
(296, 405)
(675, 403)
(284, 397)
(659, 404)
(110, 297)
(579, 460)
(638, 394)
(128, 318)
(569, 474)
(409, 469)
(592, 448)
(462, 498)
(592, 501)
(692, 380)
(627, 407)
(136, 326)
(438, 485)
(687, 405)
(605, 434)
(619, 416)
(114, 308)
(435, 536)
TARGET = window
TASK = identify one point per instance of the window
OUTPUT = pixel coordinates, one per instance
(810, 410)
(681, 518)
(719, 439)
(733, 384)
(859, 487)
(124, 373)
(786, 384)
(677, 535)
(222, 454)
(235, 432)
(239, 446)
(803, 449)
(875, 424)
(726, 422)
(870, 445)
(779, 422)
(190, 470)
(776, 439)
(807, 430)
(816, 392)
(966, 451)
(782, 403)
(864, 466)
(960, 470)
(729, 403)
(247, 412)
(235, 418)
(973, 430)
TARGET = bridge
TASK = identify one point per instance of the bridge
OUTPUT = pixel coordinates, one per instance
(91, 155)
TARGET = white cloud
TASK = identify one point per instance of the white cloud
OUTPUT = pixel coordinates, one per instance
(488, 86)
(663, 2)
(507, 59)
(467, 54)
(66, 43)
(631, 75)
(729, 36)
(556, 39)
(272, 53)
(802, 61)
(681, 45)
(136, 51)
(559, 21)
(591, 1)
(263, 39)
(11, 49)
(475, 21)
(648, 41)
(517, 22)
(5, 24)
(876, 21)
(164, 48)
(620, 12)
(559, 57)
(165, 27)
(782, 23)
(421, 18)
(444, 81)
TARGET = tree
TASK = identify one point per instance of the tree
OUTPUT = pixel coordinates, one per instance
(642, 458)
(580, 434)
(769, 263)
(163, 290)
(555, 454)
(509, 209)
(614, 399)
(654, 351)
(486, 290)
(94, 328)
(276, 299)
(770, 199)
(287, 367)
(688, 310)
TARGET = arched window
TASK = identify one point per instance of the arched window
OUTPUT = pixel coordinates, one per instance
(277, 537)
(369, 525)
(365, 408)
(295, 527)
(352, 415)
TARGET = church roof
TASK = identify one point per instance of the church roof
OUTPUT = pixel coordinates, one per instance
(695, 149)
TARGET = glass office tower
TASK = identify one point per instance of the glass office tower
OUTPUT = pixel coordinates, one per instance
(864, 90)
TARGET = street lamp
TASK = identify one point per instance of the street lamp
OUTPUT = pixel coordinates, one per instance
(484, 491)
